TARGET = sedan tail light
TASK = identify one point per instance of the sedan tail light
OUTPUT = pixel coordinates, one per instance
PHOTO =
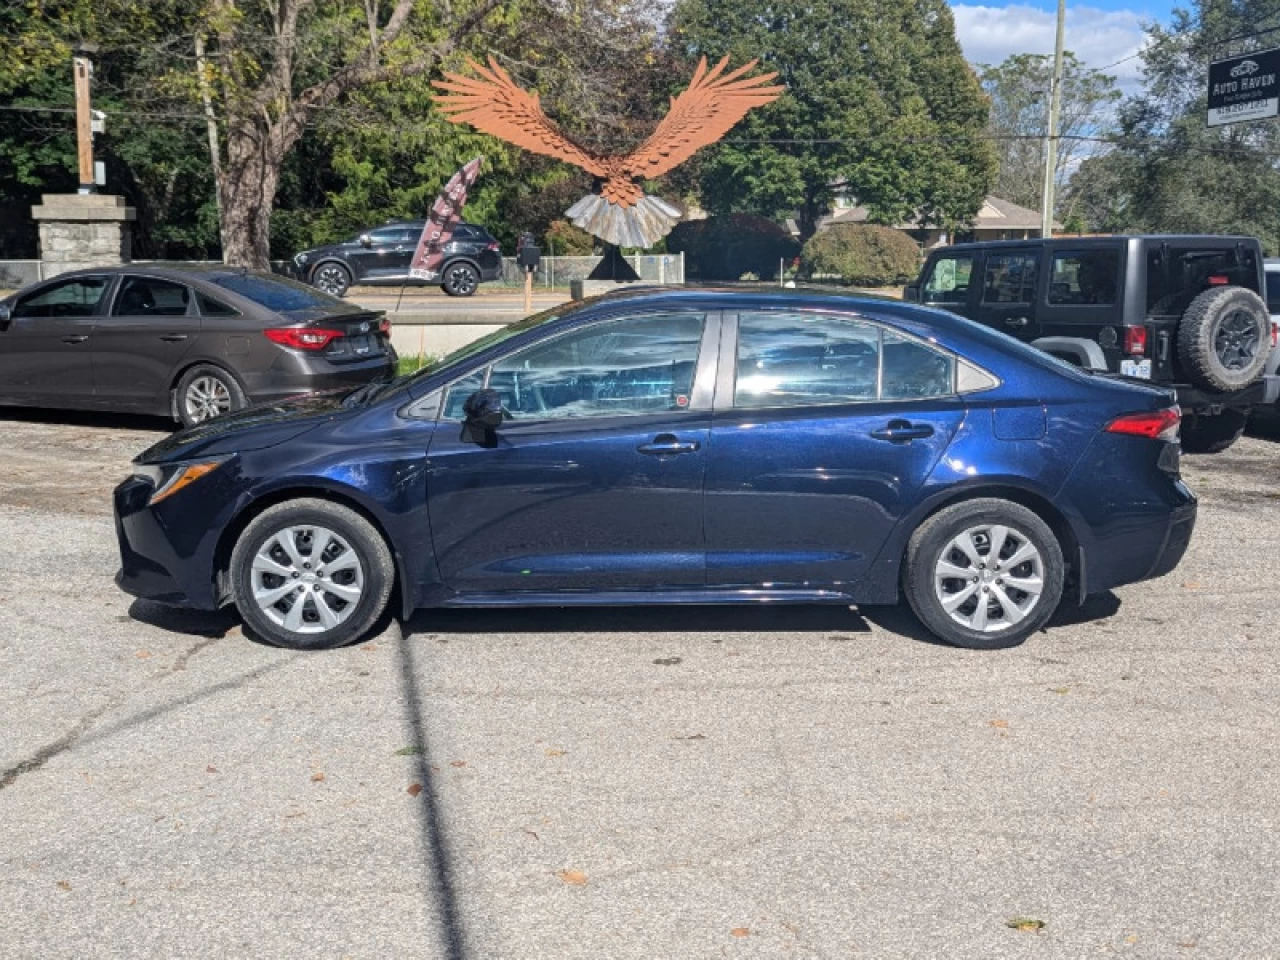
(384, 326)
(1155, 424)
(303, 338)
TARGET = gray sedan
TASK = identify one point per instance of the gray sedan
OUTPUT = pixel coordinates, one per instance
(187, 343)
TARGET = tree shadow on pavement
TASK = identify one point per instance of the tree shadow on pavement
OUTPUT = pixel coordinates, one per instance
(200, 623)
(437, 860)
(87, 418)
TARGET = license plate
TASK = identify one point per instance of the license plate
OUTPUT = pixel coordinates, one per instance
(361, 345)
(1136, 368)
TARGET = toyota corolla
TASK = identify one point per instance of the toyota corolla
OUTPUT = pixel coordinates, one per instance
(676, 447)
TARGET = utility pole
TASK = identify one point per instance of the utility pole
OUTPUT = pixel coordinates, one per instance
(84, 124)
(1051, 139)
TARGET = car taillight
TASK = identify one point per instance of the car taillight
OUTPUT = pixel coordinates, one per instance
(1155, 424)
(1275, 334)
(1135, 341)
(303, 338)
(1218, 280)
(384, 326)
(495, 247)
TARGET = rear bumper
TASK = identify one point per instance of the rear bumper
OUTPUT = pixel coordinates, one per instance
(1177, 539)
(1208, 402)
(297, 374)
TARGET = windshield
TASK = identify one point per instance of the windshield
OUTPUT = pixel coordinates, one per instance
(276, 293)
(476, 346)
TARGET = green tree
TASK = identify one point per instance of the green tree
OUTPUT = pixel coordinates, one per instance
(865, 254)
(881, 103)
(1019, 91)
(1168, 172)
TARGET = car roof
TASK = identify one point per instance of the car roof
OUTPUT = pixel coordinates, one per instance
(170, 271)
(1100, 240)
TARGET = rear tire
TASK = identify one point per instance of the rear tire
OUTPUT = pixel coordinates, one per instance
(311, 575)
(1224, 338)
(460, 279)
(205, 392)
(1213, 434)
(984, 574)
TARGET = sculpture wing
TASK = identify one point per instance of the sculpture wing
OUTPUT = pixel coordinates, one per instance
(701, 115)
(493, 104)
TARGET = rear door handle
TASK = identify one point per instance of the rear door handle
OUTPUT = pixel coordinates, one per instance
(667, 443)
(76, 338)
(1016, 321)
(173, 337)
(903, 431)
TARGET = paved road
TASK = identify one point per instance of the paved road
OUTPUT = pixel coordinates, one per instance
(614, 784)
(434, 305)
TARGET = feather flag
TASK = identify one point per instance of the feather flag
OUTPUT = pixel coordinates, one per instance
(444, 216)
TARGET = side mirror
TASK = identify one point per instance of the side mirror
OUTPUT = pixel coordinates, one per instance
(911, 293)
(366, 240)
(483, 409)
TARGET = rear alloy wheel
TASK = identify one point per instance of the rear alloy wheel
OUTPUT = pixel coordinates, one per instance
(205, 392)
(984, 574)
(1224, 338)
(311, 575)
(332, 278)
(460, 280)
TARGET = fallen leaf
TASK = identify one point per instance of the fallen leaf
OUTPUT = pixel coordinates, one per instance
(1059, 689)
(414, 789)
(410, 751)
(64, 884)
(668, 661)
(143, 654)
(556, 753)
(1131, 938)
(457, 763)
(575, 878)
(317, 777)
(211, 769)
(998, 724)
(1188, 944)
(1025, 924)
(1191, 585)
(740, 932)
(692, 736)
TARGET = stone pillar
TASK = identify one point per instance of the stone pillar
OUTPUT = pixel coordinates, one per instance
(83, 230)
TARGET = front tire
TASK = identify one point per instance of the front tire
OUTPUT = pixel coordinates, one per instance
(332, 278)
(984, 574)
(1213, 434)
(460, 280)
(308, 574)
(205, 392)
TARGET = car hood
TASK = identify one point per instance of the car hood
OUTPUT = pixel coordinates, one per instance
(253, 428)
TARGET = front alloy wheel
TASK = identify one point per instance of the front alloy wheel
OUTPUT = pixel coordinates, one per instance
(307, 579)
(332, 278)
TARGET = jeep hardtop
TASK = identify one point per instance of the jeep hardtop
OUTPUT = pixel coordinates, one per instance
(1185, 312)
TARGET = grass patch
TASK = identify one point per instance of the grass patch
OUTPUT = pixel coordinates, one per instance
(408, 752)
(415, 363)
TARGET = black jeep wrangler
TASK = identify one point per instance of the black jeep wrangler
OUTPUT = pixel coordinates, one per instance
(1182, 311)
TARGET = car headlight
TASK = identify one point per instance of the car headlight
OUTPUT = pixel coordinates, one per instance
(168, 478)
(300, 259)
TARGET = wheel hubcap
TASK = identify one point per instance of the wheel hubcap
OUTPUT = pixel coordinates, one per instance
(989, 578)
(206, 397)
(461, 280)
(1236, 341)
(307, 579)
(331, 280)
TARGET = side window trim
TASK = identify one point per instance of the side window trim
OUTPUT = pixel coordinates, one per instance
(698, 400)
(123, 279)
(726, 383)
(1066, 250)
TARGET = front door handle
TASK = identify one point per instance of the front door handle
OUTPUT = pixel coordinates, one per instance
(76, 338)
(668, 443)
(1016, 321)
(903, 431)
(173, 337)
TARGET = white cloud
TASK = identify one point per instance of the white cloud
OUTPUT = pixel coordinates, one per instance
(1097, 37)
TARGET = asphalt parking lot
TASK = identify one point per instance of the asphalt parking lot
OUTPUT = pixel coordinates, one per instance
(636, 783)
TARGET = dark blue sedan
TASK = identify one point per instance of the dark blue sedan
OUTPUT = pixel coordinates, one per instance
(676, 447)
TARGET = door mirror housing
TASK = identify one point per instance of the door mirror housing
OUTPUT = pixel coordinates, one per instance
(911, 293)
(366, 240)
(483, 409)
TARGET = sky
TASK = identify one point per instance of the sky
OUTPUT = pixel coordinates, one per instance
(1099, 32)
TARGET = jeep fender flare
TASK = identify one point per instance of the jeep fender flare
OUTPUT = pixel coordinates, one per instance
(1077, 350)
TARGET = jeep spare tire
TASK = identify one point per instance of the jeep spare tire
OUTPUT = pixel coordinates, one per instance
(1224, 338)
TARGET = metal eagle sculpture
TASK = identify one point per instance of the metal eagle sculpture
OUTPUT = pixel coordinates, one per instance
(617, 210)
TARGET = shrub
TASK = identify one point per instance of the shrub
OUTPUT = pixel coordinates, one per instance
(728, 247)
(862, 254)
(563, 239)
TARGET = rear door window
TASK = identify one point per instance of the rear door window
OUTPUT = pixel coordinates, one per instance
(1009, 278)
(150, 297)
(948, 280)
(1273, 291)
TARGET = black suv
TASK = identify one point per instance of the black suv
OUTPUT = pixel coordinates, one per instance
(382, 256)
(1180, 311)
